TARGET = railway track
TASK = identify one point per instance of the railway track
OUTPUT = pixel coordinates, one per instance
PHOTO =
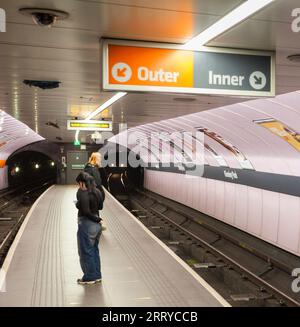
(14, 205)
(244, 269)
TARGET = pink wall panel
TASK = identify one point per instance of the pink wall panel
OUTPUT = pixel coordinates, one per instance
(289, 222)
(270, 216)
(219, 200)
(194, 188)
(241, 206)
(202, 194)
(255, 211)
(177, 185)
(229, 205)
(210, 199)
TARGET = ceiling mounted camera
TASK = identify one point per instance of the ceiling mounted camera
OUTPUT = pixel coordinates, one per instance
(44, 17)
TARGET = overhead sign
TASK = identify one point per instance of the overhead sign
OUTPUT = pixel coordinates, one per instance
(154, 67)
(90, 125)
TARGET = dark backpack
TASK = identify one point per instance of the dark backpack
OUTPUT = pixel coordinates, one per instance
(94, 172)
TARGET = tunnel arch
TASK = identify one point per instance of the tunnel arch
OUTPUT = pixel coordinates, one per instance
(26, 167)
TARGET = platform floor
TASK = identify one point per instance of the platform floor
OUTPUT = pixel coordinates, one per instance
(138, 269)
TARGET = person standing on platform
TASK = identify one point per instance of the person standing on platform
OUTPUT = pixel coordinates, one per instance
(93, 168)
(89, 202)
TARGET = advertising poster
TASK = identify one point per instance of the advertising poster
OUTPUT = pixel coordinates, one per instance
(280, 129)
(241, 158)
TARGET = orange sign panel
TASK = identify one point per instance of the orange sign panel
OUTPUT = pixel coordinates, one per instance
(132, 65)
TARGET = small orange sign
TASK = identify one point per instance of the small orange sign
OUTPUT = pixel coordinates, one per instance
(133, 65)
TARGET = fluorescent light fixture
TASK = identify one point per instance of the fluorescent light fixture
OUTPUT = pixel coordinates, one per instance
(105, 105)
(233, 18)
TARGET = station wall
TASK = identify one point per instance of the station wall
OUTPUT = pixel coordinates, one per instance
(251, 160)
(271, 216)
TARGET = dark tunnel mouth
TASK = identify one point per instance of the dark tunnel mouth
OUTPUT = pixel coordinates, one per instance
(28, 166)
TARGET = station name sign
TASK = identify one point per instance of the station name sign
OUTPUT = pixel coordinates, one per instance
(89, 125)
(156, 67)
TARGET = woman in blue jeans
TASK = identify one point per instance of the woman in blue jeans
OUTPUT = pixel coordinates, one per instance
(89, 202)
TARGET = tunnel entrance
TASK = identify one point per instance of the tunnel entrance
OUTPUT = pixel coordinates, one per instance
(30, 167)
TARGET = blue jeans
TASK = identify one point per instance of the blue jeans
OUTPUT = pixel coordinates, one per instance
(88, 236)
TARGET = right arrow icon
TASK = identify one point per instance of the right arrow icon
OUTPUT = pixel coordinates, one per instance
(258, 80)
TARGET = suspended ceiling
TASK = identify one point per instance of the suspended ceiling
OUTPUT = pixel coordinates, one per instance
(69, 52)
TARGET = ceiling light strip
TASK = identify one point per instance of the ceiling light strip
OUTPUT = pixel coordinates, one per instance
(236, 16)
(105, 105)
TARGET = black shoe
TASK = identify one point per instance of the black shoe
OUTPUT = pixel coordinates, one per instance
(85, 282)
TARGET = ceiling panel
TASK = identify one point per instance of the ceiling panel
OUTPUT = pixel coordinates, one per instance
(70, 52)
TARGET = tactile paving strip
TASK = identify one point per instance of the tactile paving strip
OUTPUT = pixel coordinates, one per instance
(158, 283)
(48, 281)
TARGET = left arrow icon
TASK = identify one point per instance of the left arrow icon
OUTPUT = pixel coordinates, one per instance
(121, 72)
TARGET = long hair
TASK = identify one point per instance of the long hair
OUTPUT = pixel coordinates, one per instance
(88, 181)
(95, 159)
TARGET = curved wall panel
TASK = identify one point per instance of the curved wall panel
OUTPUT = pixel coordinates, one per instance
(13, 136)
(251, 162)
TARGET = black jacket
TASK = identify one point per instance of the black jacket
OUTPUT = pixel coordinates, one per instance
(94, 172)
(89, 204)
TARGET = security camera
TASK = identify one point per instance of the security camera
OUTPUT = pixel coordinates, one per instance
(44, 17)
